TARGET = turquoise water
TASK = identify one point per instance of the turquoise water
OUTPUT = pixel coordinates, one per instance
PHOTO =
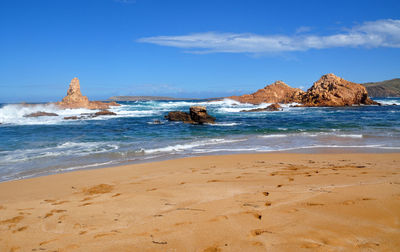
(37, 146)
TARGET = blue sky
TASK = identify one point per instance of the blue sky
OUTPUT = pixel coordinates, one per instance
(194, 48)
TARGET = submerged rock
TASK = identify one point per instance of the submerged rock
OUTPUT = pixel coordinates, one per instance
(196, 115)
(40, 113)
(333, 91)
(90, 115)
(71, 118)
(75, 99)
(103, 113)
(277, 92)
(272, 107)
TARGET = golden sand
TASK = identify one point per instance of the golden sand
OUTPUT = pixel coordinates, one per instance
(247, 202)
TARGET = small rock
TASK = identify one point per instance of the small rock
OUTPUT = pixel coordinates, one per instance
(71, 118)
(272, 107)
(40, 113)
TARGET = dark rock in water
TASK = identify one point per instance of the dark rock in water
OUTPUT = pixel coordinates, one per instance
(71, 118)
(40, 113)
(90, 115)
(197, 115)
(104, 112)
(179, 116)
(156, 122)
(272, 107)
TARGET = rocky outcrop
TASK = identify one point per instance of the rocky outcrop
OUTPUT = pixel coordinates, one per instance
(196, 115)
(272, 107)
(333, 91)
(278, 92)
(328, 91)
(40, 113)
(75, 99)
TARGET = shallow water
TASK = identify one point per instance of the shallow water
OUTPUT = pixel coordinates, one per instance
(36, 146)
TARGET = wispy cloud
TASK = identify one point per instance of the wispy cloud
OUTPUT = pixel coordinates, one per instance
(380, 33)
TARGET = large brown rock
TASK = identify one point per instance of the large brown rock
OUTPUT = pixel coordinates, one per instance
(333, 91)
(75, 99)
(40, 113)
(179, 116)
(278, 92)
(197, 115)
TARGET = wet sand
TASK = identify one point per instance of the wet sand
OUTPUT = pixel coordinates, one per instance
(246, 202)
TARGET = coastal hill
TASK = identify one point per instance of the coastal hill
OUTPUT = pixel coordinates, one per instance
(329, 91)
(387, 88)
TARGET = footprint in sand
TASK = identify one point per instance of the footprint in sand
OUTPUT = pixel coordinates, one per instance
(212, 249)
(86, 204)
(257, 232)
(368, 245)
(60, 202)
(268, 203)
(219, 218)
(255, 214)
(265, 193)
(13, 220)
(98, 189)
(116, 195)
(20, 229)
(349, 202)
(310, 245)
(314, 204)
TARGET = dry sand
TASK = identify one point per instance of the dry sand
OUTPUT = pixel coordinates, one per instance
(249, 202)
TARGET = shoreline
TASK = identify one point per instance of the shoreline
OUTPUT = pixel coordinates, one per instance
(273, 201)
(177, 156)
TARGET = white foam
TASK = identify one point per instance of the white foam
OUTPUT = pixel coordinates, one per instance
(273, 136)
(14, 114)
(187, 146)
(388, 102)
(224, 124)
(64, 149)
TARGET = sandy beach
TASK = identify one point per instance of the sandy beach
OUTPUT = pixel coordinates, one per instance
(245, 202)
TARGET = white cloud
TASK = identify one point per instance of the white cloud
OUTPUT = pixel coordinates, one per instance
(381, 33)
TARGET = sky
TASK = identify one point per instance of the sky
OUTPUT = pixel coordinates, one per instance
(193, 49)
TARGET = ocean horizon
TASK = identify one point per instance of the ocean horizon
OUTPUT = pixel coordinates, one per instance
(31, 147)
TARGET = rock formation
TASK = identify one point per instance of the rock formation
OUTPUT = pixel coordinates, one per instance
(40, 113)
(75, 99)
(278, 92)
(333, 91)
(196, 115)
(272, 107)
(328, 91)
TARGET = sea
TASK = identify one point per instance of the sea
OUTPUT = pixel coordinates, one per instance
(31, 147)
